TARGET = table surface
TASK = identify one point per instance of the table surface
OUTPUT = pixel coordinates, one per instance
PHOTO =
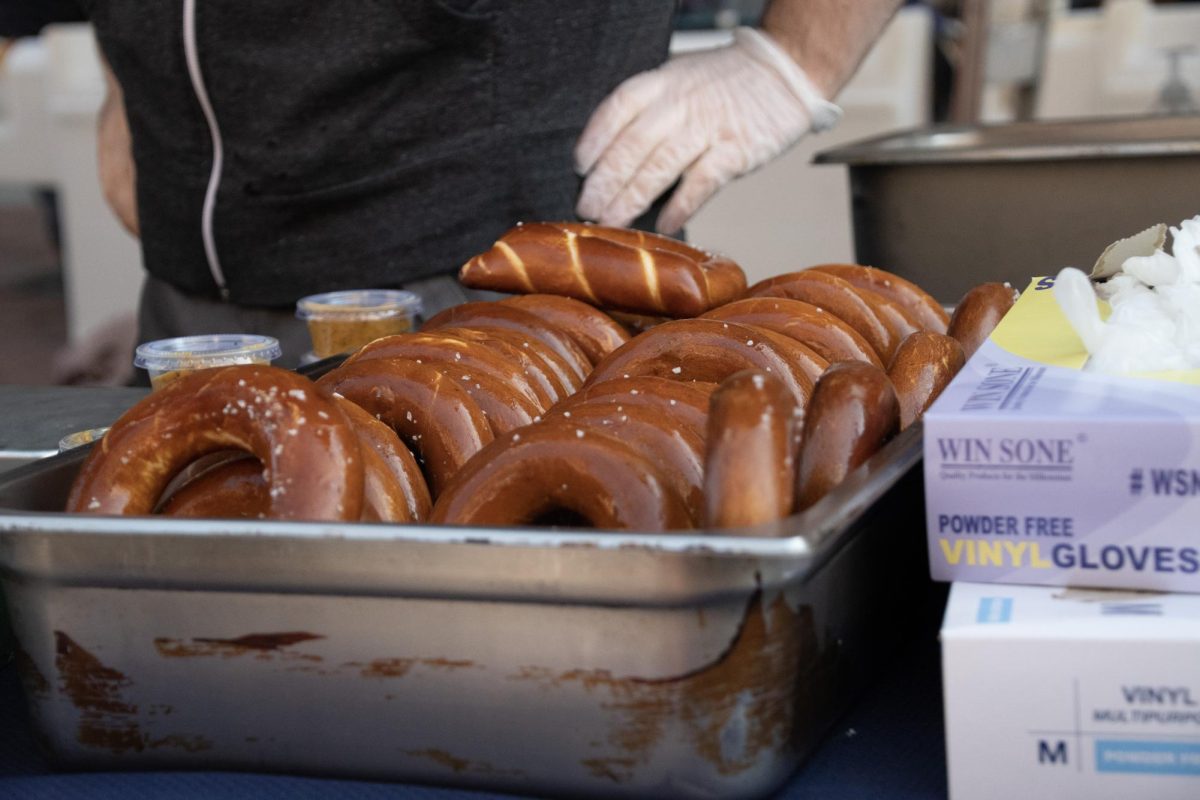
(890, 744)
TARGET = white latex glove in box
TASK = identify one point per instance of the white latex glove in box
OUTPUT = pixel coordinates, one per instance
(708, 116)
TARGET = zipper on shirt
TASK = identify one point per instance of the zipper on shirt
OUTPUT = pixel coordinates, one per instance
(214, 179)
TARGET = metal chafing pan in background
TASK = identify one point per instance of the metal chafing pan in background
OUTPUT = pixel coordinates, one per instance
(529, 660)
(950, 207)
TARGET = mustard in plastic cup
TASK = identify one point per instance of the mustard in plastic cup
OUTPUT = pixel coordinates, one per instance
(168, 359)
(339, 322)
(80, 438)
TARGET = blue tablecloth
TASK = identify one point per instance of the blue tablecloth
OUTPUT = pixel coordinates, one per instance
(890, 745)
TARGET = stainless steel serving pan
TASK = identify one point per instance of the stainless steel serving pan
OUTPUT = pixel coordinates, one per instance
(534, 661)
(950, 206)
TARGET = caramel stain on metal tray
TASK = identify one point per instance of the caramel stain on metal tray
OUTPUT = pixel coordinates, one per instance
(106, 719)
(461, 766)
(617, 770)
(447, 663)
(743, 706)
(263, 646)
(385, 667)
(399, 667)
(192, 744)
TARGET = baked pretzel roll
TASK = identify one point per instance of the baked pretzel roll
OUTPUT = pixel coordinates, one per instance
(497, 315)
(827, 335)
(750, 463)
(308, 449)
(924, 365)
(680, 404)
(607, 267)
(839, 298)
(927, 312)
(853, 412)
(596, 333)
(978, 314)
(549, 474)
(433, 414)
(709, 350)
(677, 451)
(466, 360)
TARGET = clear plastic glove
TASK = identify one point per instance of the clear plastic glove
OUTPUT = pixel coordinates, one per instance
(708, 116)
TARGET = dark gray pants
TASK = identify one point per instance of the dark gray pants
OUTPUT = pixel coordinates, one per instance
(166, 312)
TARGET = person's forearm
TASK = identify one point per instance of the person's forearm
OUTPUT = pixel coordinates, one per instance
(118, 175)
(827, 38)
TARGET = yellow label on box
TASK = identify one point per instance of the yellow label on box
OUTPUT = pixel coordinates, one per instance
(1036, 328)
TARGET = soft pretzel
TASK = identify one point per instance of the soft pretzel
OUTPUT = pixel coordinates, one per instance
(709, 350)
(827, 335)
(978, 314)
(496, 384)
(433, 414)
(852, 414)
(898, 321)
(684, 404)
(496, 315)
(750, 461)
(606, 267)
(308, 449)
(393, 488)
(545, 472)
(504, 408)
(231, 488)
(839, 298)
(596, 333)
(927, 312)
(466, 361)
(400, 464)
(895, 316)
(539, 363)
(635, 323)
(236, 490)
(924, 365)
(677, 451)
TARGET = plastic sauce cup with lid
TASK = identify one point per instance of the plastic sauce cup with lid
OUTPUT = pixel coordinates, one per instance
(339, 322)
(168, 359)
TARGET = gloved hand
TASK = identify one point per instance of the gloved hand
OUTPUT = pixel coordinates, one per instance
(710, 116)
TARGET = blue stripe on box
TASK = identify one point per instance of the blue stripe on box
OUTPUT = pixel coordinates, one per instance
(994, 610)
(1155, 758)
